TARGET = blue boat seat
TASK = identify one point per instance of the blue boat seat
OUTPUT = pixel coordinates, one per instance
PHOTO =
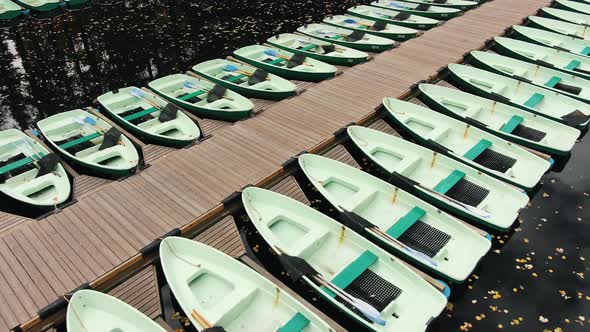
(296, 324)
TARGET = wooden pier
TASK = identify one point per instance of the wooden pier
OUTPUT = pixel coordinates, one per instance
(106, 238)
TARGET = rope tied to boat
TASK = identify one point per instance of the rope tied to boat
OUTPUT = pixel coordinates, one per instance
(180, 258)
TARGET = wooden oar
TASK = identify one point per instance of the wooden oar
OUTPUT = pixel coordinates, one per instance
(200, 319)
(351, 21)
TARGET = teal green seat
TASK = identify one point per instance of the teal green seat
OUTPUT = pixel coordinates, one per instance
(585, 51)
(296, 324)
(276, 61)
(236, 78)
(308, 47)
(573, 65)
(191, 95)
(509, 126)
(19, 163)
(553, 81)
(80, 140)
(140, 114)
(336, 37)
(477, 149)
(449, 182)
(534, 100)
(352, 271)
(405, 222)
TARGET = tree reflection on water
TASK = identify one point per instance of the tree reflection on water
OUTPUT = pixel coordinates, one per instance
(62, 62)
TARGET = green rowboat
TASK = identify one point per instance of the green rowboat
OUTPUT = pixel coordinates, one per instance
(285, 64)
(406, 301)
(393, 17)
(192, 94)
(92, 311)
(572, 6)
(90, 142)
(318, 49)
(29, 173)
(532, 98)
(477, 148)
(566, 15)
(566, 62)
(9, 10)
(245, 80)
(552, 39)
(150, 117)
(434, 12)
(223, 292)
(455, 4)
(412, 229)
(558, 81)
(511, 123)
(564, 28)
(40, 5)
(442, 181)
(348, 38)
(380, 29)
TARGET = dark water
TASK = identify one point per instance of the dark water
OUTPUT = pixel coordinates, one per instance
(64, 61)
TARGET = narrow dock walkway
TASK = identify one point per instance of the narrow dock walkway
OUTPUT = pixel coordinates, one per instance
(43, 259)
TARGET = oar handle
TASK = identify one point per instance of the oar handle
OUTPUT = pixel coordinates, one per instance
(200, 319)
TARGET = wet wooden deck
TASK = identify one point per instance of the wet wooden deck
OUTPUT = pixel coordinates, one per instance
(112, 220)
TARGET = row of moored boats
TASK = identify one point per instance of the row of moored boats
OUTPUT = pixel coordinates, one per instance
(217, 89)
(476, 155)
